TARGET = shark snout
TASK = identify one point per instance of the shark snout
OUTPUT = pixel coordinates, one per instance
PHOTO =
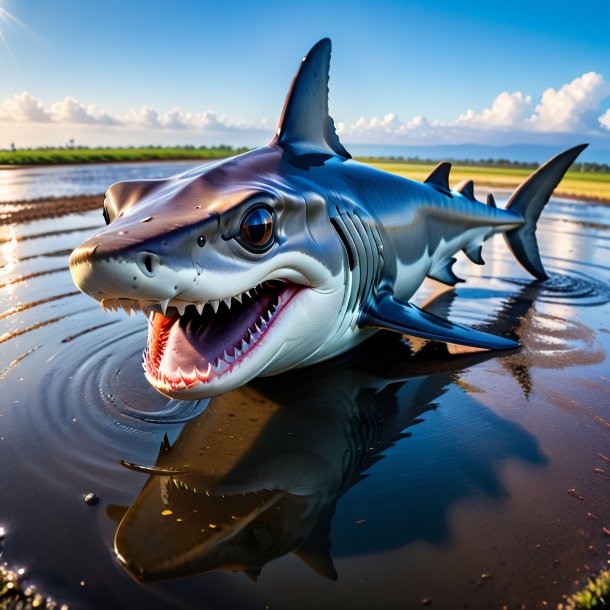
(114, 267)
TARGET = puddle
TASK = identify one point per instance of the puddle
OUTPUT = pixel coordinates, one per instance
(395, 474)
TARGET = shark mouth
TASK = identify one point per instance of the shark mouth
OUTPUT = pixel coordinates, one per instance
(199, 342)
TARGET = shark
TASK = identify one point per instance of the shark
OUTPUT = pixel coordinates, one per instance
(293, 253)
(259, 474)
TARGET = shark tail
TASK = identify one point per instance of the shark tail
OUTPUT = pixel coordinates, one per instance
(529, 200)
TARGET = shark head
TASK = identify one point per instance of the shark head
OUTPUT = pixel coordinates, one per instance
(214, 502)
(236, 264)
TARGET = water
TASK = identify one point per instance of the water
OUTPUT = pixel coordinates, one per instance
(395, 474)
(18, 184)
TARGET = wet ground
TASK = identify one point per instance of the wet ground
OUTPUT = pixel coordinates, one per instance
(397, 476)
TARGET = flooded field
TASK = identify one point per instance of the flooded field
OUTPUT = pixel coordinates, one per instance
(21, 183)
(398, 476)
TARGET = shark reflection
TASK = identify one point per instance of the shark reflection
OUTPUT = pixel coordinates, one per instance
(259, 473)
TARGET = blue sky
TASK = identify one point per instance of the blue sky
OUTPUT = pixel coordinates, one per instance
(221, 70)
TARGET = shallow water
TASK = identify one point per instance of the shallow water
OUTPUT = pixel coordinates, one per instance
(396, 474)
(22, 183)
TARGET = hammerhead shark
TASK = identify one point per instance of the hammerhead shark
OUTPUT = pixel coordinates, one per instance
(293, 253)
(259, 473)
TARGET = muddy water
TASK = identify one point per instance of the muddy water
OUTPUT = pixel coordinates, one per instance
(397, 475)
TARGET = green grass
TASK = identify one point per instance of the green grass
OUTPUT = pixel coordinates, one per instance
(594, 595)
(587, 185)
(52, 156)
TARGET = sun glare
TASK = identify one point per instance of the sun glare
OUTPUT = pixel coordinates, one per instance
(6, 20)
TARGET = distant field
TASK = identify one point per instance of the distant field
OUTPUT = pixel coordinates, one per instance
(56, 156)
(586, 185)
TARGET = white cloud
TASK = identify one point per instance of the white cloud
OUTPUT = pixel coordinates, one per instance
(72, 111)
(604, 119)
(574, 106)
(572, 109)
(506, 110)
(24, 108)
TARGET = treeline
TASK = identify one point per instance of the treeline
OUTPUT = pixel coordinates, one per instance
(601, 168)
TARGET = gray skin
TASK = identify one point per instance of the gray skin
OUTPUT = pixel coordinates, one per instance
(350, 245)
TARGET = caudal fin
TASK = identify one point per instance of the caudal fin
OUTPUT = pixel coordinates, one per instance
(529, 199)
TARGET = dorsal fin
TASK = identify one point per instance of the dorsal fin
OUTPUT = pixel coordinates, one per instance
(305, 125)
(315, 551)
(491, 200)
(474, 253)
(466, 188)
(439, 178)
(444, 273)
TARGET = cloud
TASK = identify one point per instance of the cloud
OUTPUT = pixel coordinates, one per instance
(72, 111)
(507, 110)
(604, 119)
(24, 108)
(571, 111)
(574, 106)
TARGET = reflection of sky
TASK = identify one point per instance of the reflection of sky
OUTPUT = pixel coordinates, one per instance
(37, 182)
(448, 458)
(9, 248)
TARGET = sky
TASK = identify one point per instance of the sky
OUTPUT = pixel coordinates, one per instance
(135, 72)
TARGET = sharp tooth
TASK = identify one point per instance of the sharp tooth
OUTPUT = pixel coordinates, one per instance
(164, 305)
(263, 322)
(205, 374)
(215, 303)
(181, 307)
(222, 365)
(199, 307)
(228, 358)
(227, 302)
(102, 305)
(244, 346)
(237, 353)
(238, 298)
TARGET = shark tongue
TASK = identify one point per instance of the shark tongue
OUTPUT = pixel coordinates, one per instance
(188, 347)
(199, 340)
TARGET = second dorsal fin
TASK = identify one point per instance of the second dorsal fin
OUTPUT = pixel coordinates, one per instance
(466, 188)
(491, 201)
(439, 178)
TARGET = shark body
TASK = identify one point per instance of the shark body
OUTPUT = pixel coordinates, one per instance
(293, 253)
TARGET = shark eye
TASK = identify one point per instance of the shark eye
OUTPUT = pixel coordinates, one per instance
(258, 537)
(256, 230)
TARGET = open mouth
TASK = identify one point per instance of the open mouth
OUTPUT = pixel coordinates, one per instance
(198, 342)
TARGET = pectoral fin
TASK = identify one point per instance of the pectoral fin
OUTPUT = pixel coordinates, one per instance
(387, 312)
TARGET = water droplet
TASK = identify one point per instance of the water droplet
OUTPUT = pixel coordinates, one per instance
(91, 499)
(147, 219)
